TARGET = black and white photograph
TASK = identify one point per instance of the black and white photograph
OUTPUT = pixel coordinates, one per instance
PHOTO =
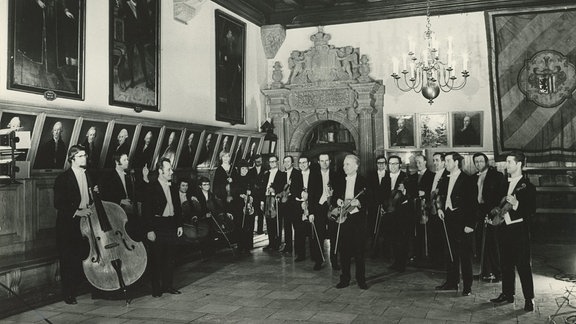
(207, 150)
(54, 143)
(433, 130)
(467, 128)
(119, 143)
(189, 148)
(401, 130)
(91, 137)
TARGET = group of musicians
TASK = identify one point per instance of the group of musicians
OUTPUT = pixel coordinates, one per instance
(426, 219)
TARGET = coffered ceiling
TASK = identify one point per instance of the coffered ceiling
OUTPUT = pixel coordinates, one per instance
(305, 13)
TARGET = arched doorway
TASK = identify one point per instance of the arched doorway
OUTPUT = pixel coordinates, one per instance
(329, 137)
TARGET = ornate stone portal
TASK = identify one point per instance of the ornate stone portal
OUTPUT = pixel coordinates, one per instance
(327, 83)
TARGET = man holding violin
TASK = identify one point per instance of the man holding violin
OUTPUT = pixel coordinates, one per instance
(272, 180)
(350, 197)
(289, 208)
(244, 214)
(514, 233)
(308, 199)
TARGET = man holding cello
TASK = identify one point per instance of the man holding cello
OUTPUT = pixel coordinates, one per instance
(350, 197)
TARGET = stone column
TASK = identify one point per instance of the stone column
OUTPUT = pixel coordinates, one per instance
(366, 111)
(277, 100)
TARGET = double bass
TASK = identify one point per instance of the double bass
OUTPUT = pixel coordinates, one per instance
(115, 260)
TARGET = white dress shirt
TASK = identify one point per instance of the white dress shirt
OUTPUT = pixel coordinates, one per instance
(169, 209)
(512, 182)
(453, 177)
(80, 175)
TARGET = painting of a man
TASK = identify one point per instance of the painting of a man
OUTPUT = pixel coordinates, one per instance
(19, 123)
(401, 130)
(207, 150)
(91, 138)
(231, 35)
(467, 126)
(52, 151)
(120, 144)
(46, 49)
(189, 149)
(170, 146)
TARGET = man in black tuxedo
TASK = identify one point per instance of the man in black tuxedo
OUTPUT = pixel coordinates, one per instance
(514, 233)
(379, 184)
(259, 192)
(488, 192)
(313, 181)
(457, 213)
(290, 211)
(52, 153)
(435, 229)
(311, 192)
(118, 187)
(327, 228)
(400, 214)
(420, 189)
(347, 191)
(273, 181)
(72, 200)
(163, 216)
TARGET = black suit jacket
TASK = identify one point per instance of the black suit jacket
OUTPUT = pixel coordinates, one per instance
(314, 190)
(112, 189)
(380, 191)
(48, 157)
(66, 194)
(462, 198)
(526, 199)
(277, 183)
(492, 189)
(340, 191)
(425, 184)
(155, 203)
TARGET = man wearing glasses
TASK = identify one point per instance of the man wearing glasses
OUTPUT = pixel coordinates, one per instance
(379, 184)
(400, 217)
(274, 184)
(72, 200)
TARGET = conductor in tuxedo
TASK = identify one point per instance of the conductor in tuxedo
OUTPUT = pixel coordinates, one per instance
(347, 189)
(514, 233)
(457, 212)
(163, 216)
(72, 200)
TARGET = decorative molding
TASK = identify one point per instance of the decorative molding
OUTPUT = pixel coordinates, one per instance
(272, 37)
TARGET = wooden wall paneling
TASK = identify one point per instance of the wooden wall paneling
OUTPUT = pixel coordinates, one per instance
(12, 230)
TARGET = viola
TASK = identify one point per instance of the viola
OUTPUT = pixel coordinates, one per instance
(115, 260)
(498, 212)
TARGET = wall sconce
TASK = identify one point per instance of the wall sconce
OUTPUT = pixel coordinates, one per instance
(270, 139)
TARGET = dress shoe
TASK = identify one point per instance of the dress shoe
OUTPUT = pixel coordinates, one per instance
(529, 305)
(362, 285)
(70, 300)
(503, 298)
(342, 284)
(467, 292)
(447, 286)
(299, 259)
(172, 291)
(317, 266)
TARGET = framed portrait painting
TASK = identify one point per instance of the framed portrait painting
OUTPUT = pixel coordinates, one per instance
(170, 143)
(206, 150)
(46, 47)
(119, 143)
(467, 128)
(254, 148)
(54, 143)
(230, 68)
(145, 148)
(401, 130)
(20, 123)
(433, 130)
(189, 148)
(134, 57)
(92, 138)
(239, 149)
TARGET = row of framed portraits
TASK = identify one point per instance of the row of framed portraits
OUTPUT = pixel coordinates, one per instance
(194, 147)
(47, 41)
(433, 130)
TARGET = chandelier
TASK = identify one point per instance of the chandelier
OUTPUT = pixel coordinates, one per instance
(428, 74)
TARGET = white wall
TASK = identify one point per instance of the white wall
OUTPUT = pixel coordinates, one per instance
(383, 40)
(187, 68)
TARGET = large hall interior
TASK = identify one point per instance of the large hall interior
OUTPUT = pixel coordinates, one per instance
(283, 161)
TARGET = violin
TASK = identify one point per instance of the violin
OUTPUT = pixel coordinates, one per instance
(396, 196)
(340, 213)
(304, 204)
(498, 212)
(420, 206)
(271, 208)
(115, 260)
(285, 193)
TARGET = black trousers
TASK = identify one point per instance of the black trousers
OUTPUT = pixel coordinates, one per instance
(461, 245)
(319, 234)
(515, 255)
(72, 249)
(291, 214)
(402, 232)
(161, 253)
(351, 245)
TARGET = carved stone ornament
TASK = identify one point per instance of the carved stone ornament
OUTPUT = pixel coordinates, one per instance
(272, 38)
(322, 114)
(294, 117)
(332, 99)
(323, 62)
(547, 79)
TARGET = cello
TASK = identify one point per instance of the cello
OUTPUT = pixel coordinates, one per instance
(115, 260)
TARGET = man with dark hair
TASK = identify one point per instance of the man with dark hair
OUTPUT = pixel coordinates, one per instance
(399, 214)
(347, 194)
(327, 229)
(379, 184)
(163, 215)
(273, 181)
(514, 233)
(290, 210)
(488, 192)
(420, 193)
(456, 211)
(243, 207)
(436, 231)
(257, 173)
(311, 192)
(72, 200)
